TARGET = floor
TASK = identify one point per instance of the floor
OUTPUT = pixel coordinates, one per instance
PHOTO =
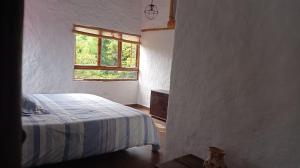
(137, 157)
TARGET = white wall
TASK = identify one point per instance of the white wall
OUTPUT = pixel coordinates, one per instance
(156, 53)
(235, 82)
(155, 63)
(49, 44)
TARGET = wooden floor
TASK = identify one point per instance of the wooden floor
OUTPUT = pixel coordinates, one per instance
(137, 157)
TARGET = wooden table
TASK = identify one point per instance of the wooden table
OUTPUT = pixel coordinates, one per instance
(187, 161)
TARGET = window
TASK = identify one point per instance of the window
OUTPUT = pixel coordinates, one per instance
(102, 54)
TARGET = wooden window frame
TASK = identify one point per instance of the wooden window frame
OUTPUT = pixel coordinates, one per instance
(119, 63)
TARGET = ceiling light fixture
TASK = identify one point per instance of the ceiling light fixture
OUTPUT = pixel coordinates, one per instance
(151, 11)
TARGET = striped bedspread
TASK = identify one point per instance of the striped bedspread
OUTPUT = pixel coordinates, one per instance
(63, 127)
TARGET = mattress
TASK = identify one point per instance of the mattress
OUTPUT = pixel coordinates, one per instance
(61, 127)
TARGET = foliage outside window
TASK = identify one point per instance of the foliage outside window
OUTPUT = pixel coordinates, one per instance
(102, 54)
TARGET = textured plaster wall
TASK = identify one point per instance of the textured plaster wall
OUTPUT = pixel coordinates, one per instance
(235, 82)
(156, 53)
(155, 63)
(49, 44)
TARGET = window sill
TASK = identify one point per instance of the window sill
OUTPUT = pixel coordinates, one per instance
(106, 80)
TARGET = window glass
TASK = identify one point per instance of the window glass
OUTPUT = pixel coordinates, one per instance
(86, 30)
(109, 52)
(104, 74)
(130, 38)
(86, 50)
(129, 55)
(111, 34)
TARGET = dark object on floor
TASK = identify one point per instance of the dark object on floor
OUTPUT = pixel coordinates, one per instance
(187, 161)
(159, 104)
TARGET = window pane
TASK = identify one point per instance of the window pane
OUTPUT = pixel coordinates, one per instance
(109, 52)
(104, 33)
(87, 30)
(111, 34)
(104, 74)
(128, 55)
(130, 37)
(86, 50)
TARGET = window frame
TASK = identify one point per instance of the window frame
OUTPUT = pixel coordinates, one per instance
(102, 67)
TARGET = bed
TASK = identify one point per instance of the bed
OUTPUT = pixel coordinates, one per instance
(62, 127)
